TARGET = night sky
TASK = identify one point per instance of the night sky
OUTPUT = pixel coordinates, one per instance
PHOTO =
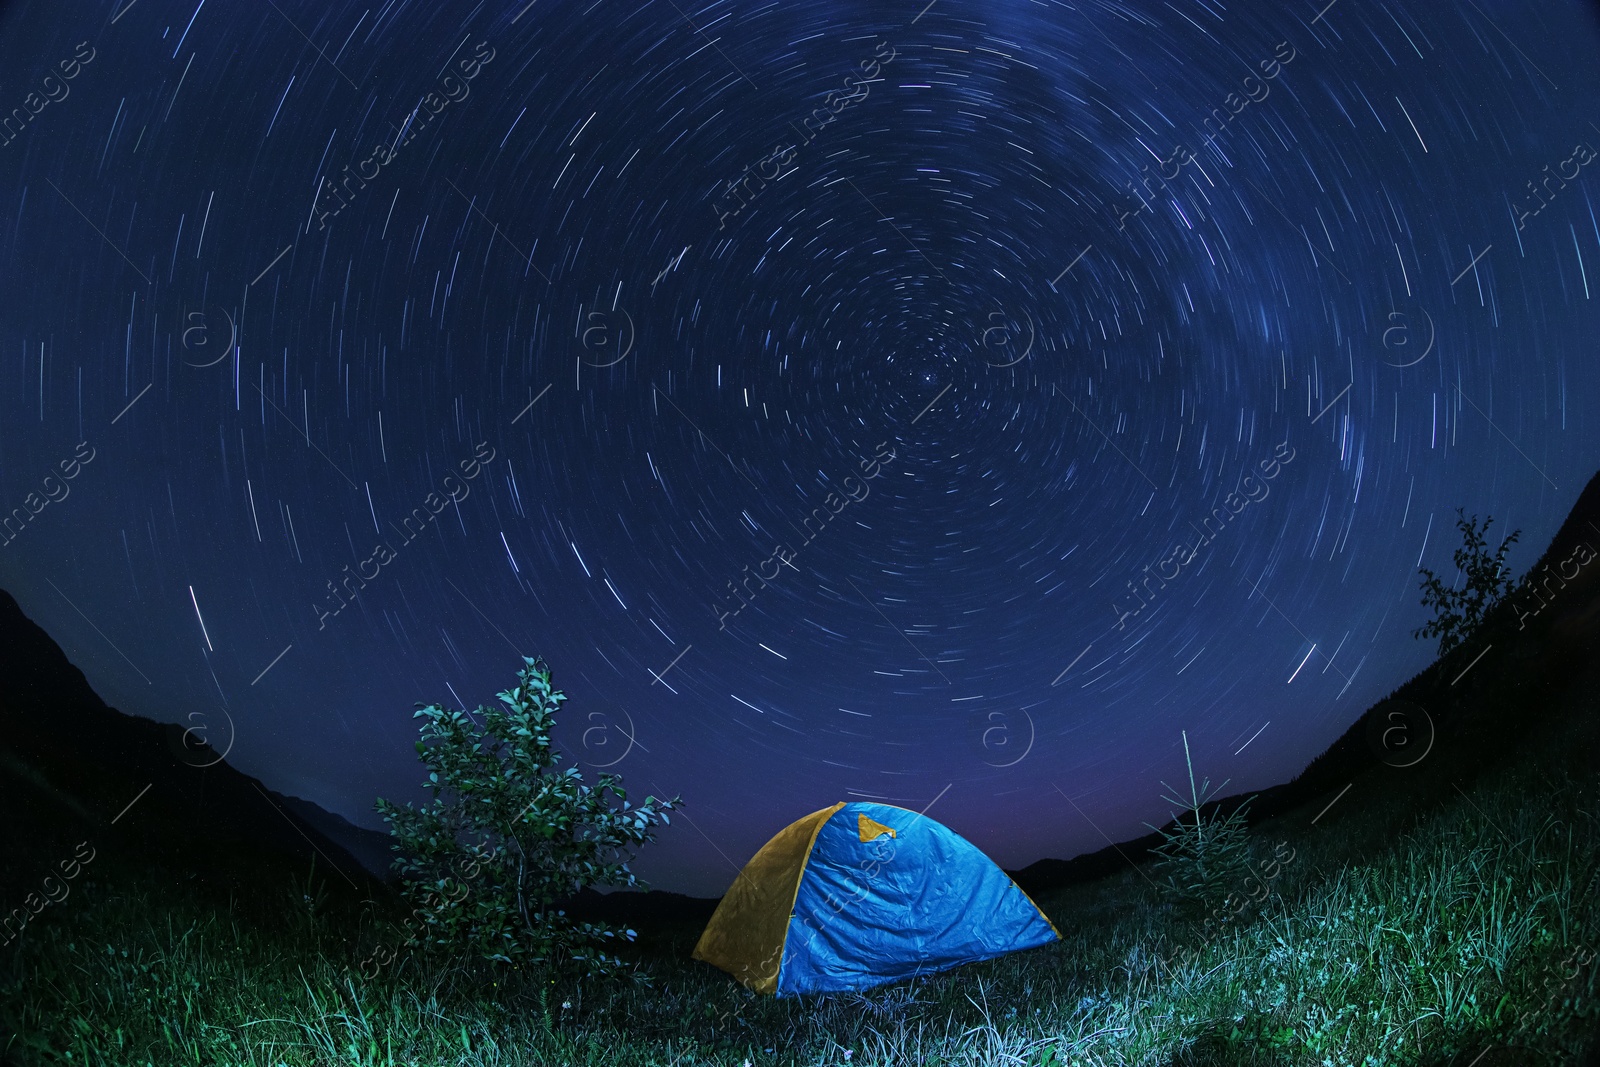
(810, 384)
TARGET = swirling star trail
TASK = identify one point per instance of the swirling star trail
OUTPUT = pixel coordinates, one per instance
(883, 401)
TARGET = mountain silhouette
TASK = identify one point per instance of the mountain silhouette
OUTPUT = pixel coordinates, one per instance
(1479, 705)
(73, 768)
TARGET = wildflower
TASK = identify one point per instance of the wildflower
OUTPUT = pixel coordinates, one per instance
(565, 1004)
(847, 1054)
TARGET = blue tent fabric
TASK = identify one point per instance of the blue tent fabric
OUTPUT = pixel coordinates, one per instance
(872, 907)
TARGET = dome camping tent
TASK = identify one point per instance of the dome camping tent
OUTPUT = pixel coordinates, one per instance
(860, 894)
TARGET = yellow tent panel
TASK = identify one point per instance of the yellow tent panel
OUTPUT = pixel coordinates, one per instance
(746, 933)
(868, 829)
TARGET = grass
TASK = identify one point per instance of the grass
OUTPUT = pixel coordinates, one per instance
(1441, 945)
(1399, 933)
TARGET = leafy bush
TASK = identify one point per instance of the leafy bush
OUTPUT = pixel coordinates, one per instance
(1199, 861)
(1457, 612)
(507, 837)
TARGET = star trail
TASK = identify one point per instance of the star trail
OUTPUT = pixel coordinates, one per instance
(878, 401)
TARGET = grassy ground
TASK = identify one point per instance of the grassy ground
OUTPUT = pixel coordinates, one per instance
(1450, 933)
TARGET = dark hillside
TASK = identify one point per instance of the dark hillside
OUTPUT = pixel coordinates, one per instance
(71, 765)
(1531, 654)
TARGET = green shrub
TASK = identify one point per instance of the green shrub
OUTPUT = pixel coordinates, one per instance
(507, 837)
(1458, 612)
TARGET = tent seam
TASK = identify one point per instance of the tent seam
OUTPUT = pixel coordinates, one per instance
(805, 861)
